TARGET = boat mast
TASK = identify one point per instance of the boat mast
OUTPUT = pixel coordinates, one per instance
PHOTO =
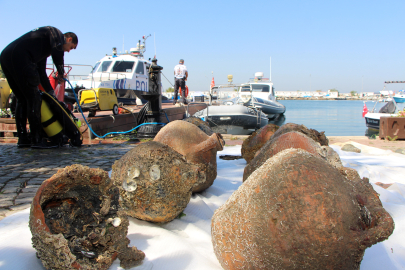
(154, 41)
(270, 68)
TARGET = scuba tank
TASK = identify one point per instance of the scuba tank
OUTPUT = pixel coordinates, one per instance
(58, 121)
(50, 124)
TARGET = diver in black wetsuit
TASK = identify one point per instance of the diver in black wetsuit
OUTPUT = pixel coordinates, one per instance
(24, 65)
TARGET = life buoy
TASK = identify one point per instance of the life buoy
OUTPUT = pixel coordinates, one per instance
(181, 93)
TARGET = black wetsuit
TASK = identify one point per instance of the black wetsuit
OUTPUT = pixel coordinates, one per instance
(24, 64)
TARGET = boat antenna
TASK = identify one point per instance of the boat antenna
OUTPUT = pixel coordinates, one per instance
(123, 39)
(143, 47)
(154, 41)
(270, 68)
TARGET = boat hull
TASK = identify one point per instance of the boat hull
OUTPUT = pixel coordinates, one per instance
(128, 96)
(373, 123)
(373, 119)
(243, 121)
(234, 117)
(269, 107)
(399, 99)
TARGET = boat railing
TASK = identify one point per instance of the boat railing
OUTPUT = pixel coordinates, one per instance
(258, 113)
(104, 78)
(251, 97)
(259, 80)
(111, 76)
(392, 99)
(52, 68)
(259, 118)
(80, 76)
(218, 90)
(77, 76)
(198, 103)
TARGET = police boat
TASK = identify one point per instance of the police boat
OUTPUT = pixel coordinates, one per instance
(126, 73)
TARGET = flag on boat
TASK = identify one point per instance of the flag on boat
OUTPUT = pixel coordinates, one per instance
(212, 82)
(365, 110)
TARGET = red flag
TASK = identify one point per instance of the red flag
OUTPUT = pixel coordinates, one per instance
(212, 82)
(365, 110)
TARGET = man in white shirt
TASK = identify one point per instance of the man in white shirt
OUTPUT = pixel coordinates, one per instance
(180, 78)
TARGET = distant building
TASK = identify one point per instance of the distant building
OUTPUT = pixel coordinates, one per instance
(387, 93)
(301, 94)
(333, 93)
(366, 94)
(288, 94)
(320, 94)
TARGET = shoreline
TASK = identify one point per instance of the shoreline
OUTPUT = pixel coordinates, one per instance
(329, 99)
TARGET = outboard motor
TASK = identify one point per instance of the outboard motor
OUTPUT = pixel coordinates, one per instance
(153, 107)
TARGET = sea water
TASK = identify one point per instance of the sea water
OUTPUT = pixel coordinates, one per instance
(335, 117)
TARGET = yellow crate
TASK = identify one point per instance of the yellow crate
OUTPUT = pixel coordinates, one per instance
(4, 93)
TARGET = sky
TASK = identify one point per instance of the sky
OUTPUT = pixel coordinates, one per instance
(313, 45)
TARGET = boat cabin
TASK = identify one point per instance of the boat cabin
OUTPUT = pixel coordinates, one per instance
(259, 87)
(121, 72)
(126, 73)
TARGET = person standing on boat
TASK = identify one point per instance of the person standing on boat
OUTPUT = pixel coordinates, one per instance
(180, 78)
(24, 65)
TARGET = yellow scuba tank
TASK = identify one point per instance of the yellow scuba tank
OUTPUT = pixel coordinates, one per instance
(49, 123)
(4, 93)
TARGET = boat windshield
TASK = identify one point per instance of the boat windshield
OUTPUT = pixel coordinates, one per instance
(261, 88)
(123, 66)
(104, 66)
(224, 93)
(139, 68)
(95, 67)
(256, 88)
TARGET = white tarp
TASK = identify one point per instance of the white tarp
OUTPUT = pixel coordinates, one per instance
(186, 243)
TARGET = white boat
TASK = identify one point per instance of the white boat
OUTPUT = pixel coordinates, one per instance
(227, 113)
(399, 97)
(259, 93)
(126, 73)
(373, 118)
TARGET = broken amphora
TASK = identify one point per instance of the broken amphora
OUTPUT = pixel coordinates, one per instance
(76, 222)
